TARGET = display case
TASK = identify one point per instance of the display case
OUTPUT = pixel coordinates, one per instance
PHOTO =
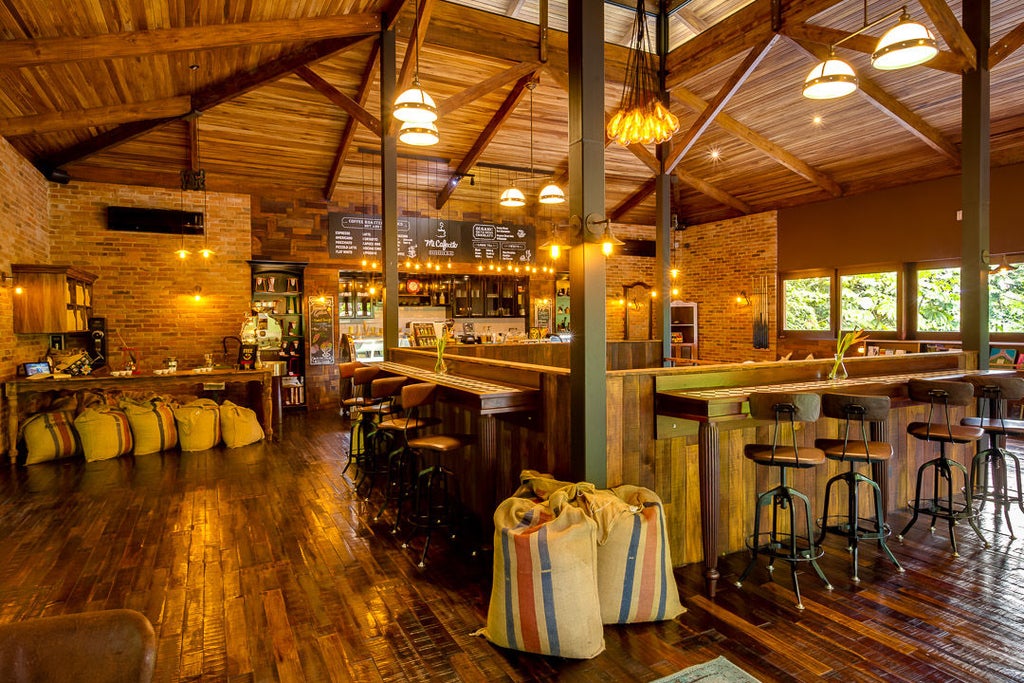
(51, 299)
(683, 327)
(489, 296)
(277, 294)
(357, 296)
(562, 314)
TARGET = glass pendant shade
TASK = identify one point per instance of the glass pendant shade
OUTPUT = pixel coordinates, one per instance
(513, 196)
(420, 134)
(906, 44)
(551, 194)
(830, 79)
(415, 105)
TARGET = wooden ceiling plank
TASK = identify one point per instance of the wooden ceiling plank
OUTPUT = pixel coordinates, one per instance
(899, 112)
(736, 79)
(688, 18)
(349, 134)
(634, 200)
(740, 31)
(865, 44)
(515, 95)
(390, 17)
(351, 107)
(204, 99)
(514, 7)
(409, 65)
(485, 87)
(23, 53)
(95, 116)
(1006, 46)
(951, 31)
(758, 141)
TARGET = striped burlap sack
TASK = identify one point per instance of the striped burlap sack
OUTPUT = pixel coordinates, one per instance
(544, 593)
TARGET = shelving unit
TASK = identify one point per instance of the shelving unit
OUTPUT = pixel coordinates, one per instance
(683, 327)
(561, 310)
(53, 299)
(277, 291)
(354, 299)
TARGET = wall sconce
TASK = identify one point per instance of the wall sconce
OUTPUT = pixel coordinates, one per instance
(596, 229)
(743, 299)
(5, 278)
(197, 293)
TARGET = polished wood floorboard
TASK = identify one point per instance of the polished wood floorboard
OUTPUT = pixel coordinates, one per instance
(259, 564)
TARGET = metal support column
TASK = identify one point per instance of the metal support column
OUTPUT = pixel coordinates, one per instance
(389, 187)
(975, 186)
(663, 208)
(587, 356)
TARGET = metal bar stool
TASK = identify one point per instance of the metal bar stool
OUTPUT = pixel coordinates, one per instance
(399, 465)
(361, 379)
(784, 410)
(372, 461)
(346, 389)
(992, 392)
(940, 504)
(856, 451)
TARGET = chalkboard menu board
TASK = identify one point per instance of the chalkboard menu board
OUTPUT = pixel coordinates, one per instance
(432, 238)
(321, 330)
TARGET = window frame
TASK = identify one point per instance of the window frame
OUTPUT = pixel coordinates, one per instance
(830, 273)
(913, 271)
(901, 297)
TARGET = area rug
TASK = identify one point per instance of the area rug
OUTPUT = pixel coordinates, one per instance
(718, 670)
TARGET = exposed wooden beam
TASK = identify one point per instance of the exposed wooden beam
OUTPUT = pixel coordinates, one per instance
(514, 7)
(740, 31)
(485, 87)
(351, 107)
(951, 31)
(684, 143)
(632, 201)
(349, 134)
(899, 112)
(390, 17)
(771, 149)
(409, 65)
(205, 98)
(22, 53)
(865, 44)
(688, 18)
(96, 116)
(1006, 46)
(512, 100)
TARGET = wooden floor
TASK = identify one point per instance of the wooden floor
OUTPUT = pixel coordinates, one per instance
(259, 564)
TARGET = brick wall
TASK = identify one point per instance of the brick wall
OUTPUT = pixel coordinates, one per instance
(23, 239)
(143, 290)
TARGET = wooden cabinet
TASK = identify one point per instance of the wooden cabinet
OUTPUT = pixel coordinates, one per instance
(52, 299)
(277, 293)
(683, 327)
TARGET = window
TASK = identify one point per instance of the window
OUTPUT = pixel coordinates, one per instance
(1006, 301)
(807, 303)
(938, 300)
(868, 301)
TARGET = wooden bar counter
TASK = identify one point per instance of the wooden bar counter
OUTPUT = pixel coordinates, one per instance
(17, 392)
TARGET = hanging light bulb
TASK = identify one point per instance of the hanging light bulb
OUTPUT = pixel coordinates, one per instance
(830, 79)
(906, 44)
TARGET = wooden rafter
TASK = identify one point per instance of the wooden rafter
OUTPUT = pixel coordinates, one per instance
(351, 107)
(1006, 46)
(206, 98)
(514, 7)
(22, 53)
(865, 44)
(409, 66)
(485, 87)
(515, 95)
(634, 200)
(899, 112)
(95, 116)
(684, 143)
(349, 134)
(758, 141)
(951, 31)
(688, 18)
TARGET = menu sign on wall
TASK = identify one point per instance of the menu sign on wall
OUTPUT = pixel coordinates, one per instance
(357, 237)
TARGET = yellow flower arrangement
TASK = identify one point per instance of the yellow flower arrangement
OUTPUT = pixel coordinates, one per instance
(843, 344)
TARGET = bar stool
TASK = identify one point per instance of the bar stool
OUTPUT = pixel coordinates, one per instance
(346, 371)
(992, 391)
(372, 461)
(861, 409)
(435, 491)
(940, 505)
(399, 464)
(785, 410)
(361, 379)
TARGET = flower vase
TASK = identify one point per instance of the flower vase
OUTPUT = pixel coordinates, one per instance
(440, 367)
(838, 371)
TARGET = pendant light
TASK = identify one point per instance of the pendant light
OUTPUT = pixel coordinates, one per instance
(512, 197)
(419, 133)
(830, 79)
(908, 43)
(415, 105)
(551, 194)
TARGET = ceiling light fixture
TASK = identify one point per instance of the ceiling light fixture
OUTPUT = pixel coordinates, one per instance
(513, 197)
(641, 117)
(419, 133)
(550, 193)
(906, 44)
(415, 105)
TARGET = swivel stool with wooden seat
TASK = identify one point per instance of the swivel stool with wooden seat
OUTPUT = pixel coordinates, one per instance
(372, 460)
(780, 542)
(346, 371)
(989, 467)
(361, 379)
(856, 449)
(939, 502)
(415, 397)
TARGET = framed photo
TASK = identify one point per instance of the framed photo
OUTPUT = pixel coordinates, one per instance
(1002, 357)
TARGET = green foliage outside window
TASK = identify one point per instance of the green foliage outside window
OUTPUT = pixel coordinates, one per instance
(808, 303)
(1006, 301)
(868, 301)
(938, 300)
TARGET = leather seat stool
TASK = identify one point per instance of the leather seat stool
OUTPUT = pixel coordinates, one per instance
(372, 461)
(361, 379)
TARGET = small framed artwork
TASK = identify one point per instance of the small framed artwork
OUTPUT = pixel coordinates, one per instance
(1002, 357)
(57, 342)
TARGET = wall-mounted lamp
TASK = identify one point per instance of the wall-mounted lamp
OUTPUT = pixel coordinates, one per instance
(5, 278)
(597, 229)
(197, 293)
(743, 299)
(999, 267)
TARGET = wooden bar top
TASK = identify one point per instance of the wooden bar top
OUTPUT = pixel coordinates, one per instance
(490, 398)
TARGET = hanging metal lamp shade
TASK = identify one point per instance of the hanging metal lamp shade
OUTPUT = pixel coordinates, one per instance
(551, 194)
(906, 44)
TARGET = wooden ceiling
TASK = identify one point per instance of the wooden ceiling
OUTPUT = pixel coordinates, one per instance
(285, 99)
